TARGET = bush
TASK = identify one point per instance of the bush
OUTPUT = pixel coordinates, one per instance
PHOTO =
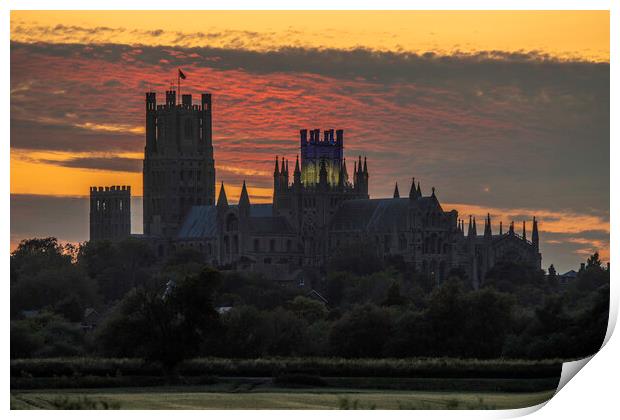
(361, 332)
(46, 335)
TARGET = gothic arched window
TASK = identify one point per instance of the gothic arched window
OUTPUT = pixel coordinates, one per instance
(189, 128)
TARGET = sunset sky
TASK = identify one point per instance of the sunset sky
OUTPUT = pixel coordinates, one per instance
(505, 112)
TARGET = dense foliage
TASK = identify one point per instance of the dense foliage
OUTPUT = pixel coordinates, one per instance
(177, 309)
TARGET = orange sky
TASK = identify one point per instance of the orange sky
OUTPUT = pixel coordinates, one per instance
(582, 34)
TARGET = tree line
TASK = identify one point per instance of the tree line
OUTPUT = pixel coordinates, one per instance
(180, 308)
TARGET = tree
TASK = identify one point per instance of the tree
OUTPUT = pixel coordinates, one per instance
(393, 296)
(552, 278)
(594, 276)
(411, 336)
(446, 316)
(184, 262)
(308, 309)
(46, 335)
(165, 328)
(284, 333)
(117, 267)
(242, 337)
(34, 255)
(593, 261)
(488, 321)
(71, 308)
(362, 332)
(50, 286)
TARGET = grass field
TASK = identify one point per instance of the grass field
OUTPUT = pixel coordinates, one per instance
(205, 398)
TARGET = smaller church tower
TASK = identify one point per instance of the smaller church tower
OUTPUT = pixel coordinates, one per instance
(110, 213)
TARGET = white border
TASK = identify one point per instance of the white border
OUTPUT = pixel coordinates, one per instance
(592, 395)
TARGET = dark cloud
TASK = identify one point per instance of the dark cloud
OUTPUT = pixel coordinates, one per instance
(531, 71)
(100, 163)
(34, 135)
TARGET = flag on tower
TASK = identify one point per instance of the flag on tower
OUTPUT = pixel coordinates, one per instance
(181, 74)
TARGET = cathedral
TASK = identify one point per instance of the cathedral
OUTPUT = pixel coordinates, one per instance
(314, 212)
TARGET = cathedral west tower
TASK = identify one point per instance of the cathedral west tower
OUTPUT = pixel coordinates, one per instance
(179, 169)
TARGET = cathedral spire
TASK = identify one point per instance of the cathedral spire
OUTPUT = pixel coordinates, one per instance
(222, 201)
(475, 231)
(501, 228)
(297, 173)
(487, 226)
(524, 235)
(470, 229)
(345, 174)
(412, 192)
(511, 229)
(535, 233)
(365, 166)
(297, 164)
(276, 171)
(396, 193)
(419, 191)
(244, 199)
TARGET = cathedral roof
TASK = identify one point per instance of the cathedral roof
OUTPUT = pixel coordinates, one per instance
(377, 214)
(200, 222)
(261, 210)
(269, 225)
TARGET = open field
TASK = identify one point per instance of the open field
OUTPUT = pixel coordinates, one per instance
(274, 398)
(284, 383)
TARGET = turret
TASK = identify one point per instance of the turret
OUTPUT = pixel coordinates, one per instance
(365, 170)
(284, 173)
(535, 233)
(297, 173)
(171, 98)
(151, 126)
(396, 193)
(340, 137)
(412, 192)
(244, 202)
(276, 170)
(501, 228)
(222, 201)
(487, 227)
(276, 178)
